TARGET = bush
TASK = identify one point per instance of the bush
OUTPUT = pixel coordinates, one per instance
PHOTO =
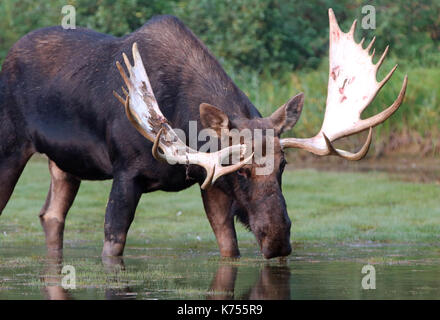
(269, 35)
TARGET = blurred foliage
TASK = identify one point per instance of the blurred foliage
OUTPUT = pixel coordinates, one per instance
(257, 35)
(275, 48)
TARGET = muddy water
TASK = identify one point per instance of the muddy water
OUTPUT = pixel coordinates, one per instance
(311, 272)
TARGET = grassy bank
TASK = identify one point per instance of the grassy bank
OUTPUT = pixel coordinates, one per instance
(325, 207)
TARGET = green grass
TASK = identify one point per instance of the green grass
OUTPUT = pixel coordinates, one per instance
(325, 207)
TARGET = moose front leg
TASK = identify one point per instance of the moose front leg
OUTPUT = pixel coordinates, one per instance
(62, 192)
(121, 206)
(218, 209)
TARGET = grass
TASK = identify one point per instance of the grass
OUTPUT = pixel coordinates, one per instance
(325, 207)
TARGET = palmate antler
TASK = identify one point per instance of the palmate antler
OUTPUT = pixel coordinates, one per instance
(352, 86)
(143, 112)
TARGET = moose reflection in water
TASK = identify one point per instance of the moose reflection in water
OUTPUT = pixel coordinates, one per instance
(272, 282)
(52, 277)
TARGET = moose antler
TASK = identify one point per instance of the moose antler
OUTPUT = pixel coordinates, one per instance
(352, 86)
(143, 112)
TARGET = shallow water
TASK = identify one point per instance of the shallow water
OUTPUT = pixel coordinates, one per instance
(311, 272)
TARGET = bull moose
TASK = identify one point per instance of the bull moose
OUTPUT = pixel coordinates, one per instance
(56, 98)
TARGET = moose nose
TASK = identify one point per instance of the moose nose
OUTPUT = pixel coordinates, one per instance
(270, 252)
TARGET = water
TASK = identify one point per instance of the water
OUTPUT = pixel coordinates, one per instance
(311, 272)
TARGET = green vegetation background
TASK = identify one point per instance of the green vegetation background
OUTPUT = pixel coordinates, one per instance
(275, 48)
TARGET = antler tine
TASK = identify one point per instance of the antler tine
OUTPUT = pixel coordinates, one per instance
(385, 114)
(368, 48)
(348, 155)
(382, 58)
(123, 74)
(154, 150)
(388, 76)
(127, 63)
(353, 28)
(220, 170)
(362, 42)
(121, 100)
(213, 172)
(333, 22)
(136, 57)
(124, 91)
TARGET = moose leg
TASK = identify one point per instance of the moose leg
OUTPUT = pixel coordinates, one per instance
(62, 192)
(11, 168)
(218, 209)
(121, 207)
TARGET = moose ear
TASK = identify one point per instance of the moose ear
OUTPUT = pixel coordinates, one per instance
(213, 118)
(288, 114)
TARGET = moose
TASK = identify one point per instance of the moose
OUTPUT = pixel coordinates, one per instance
(56, 98)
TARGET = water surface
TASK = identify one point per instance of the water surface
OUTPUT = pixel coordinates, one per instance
(311, 272)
